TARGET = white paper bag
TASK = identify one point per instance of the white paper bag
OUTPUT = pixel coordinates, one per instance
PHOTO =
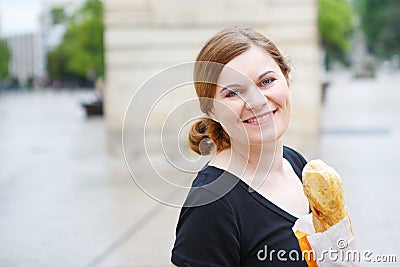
(333, 247)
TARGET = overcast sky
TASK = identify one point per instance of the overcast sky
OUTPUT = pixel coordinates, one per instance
(21, 16)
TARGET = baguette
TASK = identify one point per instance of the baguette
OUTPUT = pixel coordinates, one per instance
(323, 188)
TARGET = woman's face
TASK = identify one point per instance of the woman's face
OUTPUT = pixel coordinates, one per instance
(252, 99)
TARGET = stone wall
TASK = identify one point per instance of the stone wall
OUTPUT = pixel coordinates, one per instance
(145, 36)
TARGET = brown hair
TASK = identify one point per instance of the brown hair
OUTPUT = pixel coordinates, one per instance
(222, 48)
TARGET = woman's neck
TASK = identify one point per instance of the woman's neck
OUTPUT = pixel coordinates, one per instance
(252, 164)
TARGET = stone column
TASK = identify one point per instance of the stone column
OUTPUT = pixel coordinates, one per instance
(145, 36)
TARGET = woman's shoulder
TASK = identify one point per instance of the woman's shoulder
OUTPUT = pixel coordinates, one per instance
(206, 216)
(292, 152)
(207, 175)
(211, 184)
(295, 159)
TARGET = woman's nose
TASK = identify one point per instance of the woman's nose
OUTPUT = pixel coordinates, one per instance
(255, 99)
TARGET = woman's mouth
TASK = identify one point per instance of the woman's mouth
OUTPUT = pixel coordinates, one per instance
(259, 119)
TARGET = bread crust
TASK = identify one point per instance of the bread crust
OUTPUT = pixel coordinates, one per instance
(323, 188)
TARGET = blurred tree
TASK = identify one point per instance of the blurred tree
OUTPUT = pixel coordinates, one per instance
(80, 55)
(57, 63)
(5, 56)
(58, 15)
(335, 26)
(30, 82)
(380, 21)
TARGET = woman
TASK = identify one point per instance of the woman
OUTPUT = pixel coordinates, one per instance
(245, 218)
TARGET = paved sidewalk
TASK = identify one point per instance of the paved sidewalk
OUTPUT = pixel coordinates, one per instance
(65, 202)
(361, 138)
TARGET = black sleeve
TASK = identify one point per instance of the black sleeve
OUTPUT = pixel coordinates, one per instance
(207, 236)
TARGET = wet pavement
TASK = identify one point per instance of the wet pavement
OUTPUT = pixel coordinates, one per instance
(65, 202)
(361, 138)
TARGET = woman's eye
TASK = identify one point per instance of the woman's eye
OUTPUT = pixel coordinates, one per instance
(233, 93)
(267, 81)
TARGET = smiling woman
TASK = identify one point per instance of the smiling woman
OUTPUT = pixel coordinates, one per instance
(260, 99)
(242, 82)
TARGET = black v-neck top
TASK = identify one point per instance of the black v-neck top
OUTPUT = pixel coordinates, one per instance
(223, 223)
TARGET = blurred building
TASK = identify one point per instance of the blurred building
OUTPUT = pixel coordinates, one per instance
(27, 60)
(29, 51)
(145, 36)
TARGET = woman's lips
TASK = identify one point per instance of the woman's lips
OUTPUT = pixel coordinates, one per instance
(259, 119)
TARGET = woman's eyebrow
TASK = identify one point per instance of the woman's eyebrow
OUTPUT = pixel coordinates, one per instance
(265, 73)
(235, 85)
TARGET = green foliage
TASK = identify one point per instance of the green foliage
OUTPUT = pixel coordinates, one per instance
(30, 82)
(335, 26)
(57, 63)
(5, 56)
(58, 15)
(81, 52)
(380, 21)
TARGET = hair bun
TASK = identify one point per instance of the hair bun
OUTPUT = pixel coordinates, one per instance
(207, 135)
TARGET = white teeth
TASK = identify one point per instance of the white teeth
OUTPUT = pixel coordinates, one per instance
(264, 117)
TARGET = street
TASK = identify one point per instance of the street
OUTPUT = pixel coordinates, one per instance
(65, 202)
